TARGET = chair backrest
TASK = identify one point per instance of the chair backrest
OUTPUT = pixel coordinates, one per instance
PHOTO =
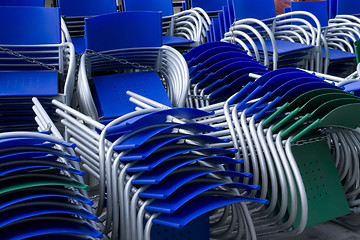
(86, 7)
(318, 8)
(165, 6)
(209, 5)
(348, 7)
(123, 30)
(32, 3)
(29, 25)
(260, 9)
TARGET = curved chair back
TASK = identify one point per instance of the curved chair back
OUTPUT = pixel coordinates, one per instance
(165, 6)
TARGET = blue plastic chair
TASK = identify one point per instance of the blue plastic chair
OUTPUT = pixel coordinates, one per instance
(35, 189)
(140, 50)
(74, 13)
(280, 48)
(337, 62)
(33, 58)
(181, 30)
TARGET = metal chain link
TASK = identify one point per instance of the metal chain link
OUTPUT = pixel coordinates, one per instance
(120, 60)
(310, 140)
(29, 59)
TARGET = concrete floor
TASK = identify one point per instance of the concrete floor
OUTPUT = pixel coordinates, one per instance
(329, 231)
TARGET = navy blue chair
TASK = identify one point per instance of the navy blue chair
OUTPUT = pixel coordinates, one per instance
(35, 62)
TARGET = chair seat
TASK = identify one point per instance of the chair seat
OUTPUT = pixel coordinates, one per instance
(335, 55)
(283, 47)
(32, 83)
(175, 41)
(110, 92)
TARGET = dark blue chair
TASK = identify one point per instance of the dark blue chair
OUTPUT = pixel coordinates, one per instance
(35, 62)
(139, 50)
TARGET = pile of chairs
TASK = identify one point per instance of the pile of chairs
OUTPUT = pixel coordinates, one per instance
(159, 166)
(34, 61)
(291, 128)
(43, 195)
(182, 30)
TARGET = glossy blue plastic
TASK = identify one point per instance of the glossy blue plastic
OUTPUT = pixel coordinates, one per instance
(175, 41)
(44, 27)
(146, 149)
(252, 9)
(318, 8)
(18, 166)
(61, 236)
(157, 158)
(336, 55)
(37, 226)
(101, 36)
(39, 193)
(110, 92)
(166, 168)
(211, 52)
(226, 70)
(138, 137)
(21, 211)
(283, 47)
(165, 6)
(188, 192)
(158, 117)
(226, 18)
(234, 76)
(86, 8)
(193, 53)
(165, 188)
(198, 206)
(200, 75)
(29, 83)
(222, 28)
(209, 5)
(216, 29)
(29, 3)
(213, 56)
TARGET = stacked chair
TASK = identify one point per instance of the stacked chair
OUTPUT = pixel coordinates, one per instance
(157, 170)
(43, 195)
(34, 61)
(275, 40)
(338, 37)
(292, 129)
(113, 64)
(32, 3)
(182, 30)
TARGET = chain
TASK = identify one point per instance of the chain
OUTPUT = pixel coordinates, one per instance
(119, 60)
(29, 59)
(310, 140)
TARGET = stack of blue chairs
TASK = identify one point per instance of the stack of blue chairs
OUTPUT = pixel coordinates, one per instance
(217, 71)
(159, 166)
(34, 61)
(41, 194)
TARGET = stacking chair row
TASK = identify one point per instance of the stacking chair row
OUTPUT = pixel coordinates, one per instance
(288, 126)
(275, 40)
(34, 61)
(181, 30)
(158, 169)
(217, 70)
(338, 38)
(43, 195)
